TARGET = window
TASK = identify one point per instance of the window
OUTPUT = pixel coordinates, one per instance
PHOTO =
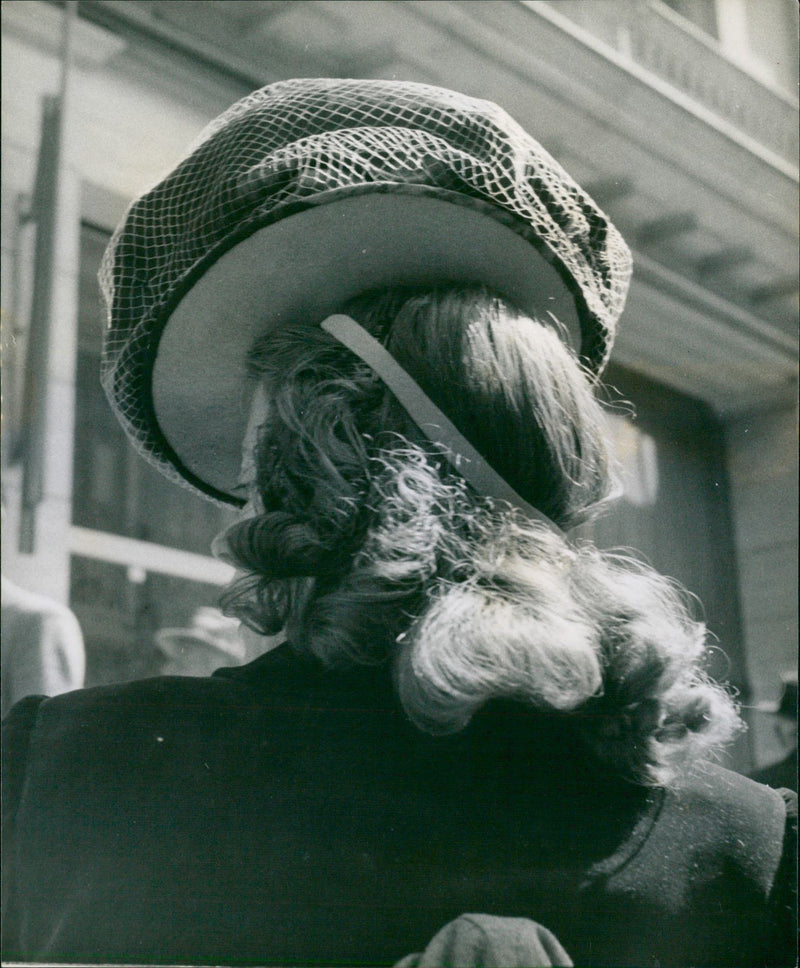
(674, 508)
(759, 35)
(141, 545)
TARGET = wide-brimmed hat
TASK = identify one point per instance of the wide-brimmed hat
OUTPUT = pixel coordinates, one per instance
(306, 194)
(210, 641)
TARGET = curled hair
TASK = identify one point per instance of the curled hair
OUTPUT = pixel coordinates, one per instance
(369, 548)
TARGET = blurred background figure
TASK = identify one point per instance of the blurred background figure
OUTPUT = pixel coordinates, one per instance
(42, 646)
(211, 642)
(783, 772)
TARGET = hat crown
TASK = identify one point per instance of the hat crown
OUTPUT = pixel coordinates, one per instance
(302, 143)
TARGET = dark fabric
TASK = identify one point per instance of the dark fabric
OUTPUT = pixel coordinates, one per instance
(279, 814)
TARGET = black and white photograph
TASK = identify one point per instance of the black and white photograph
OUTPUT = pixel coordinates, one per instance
(399, 483)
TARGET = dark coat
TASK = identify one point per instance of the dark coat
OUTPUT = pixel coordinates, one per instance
(279, 814)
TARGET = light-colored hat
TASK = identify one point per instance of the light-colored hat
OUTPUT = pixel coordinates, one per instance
(211, 640)
(310, 192)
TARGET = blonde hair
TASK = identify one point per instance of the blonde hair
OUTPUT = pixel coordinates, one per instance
(371, 549)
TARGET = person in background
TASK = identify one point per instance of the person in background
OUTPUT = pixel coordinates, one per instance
(42, 646)
(783, 772)
(374, 315)
(210, 642)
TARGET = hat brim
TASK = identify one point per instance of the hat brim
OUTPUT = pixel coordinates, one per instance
(175, 643)
(302, 269)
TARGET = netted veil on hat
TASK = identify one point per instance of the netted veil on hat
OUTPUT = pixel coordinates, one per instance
(305, 194)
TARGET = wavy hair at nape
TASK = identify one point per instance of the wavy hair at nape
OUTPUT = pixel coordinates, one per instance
(370, 548)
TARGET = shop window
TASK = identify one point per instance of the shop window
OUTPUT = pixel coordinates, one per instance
(122, 508)
(116, 490)
(674, 509)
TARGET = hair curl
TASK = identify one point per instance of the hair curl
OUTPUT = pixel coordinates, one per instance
(370, 549)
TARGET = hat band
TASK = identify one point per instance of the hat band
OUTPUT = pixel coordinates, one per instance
(436, 427)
